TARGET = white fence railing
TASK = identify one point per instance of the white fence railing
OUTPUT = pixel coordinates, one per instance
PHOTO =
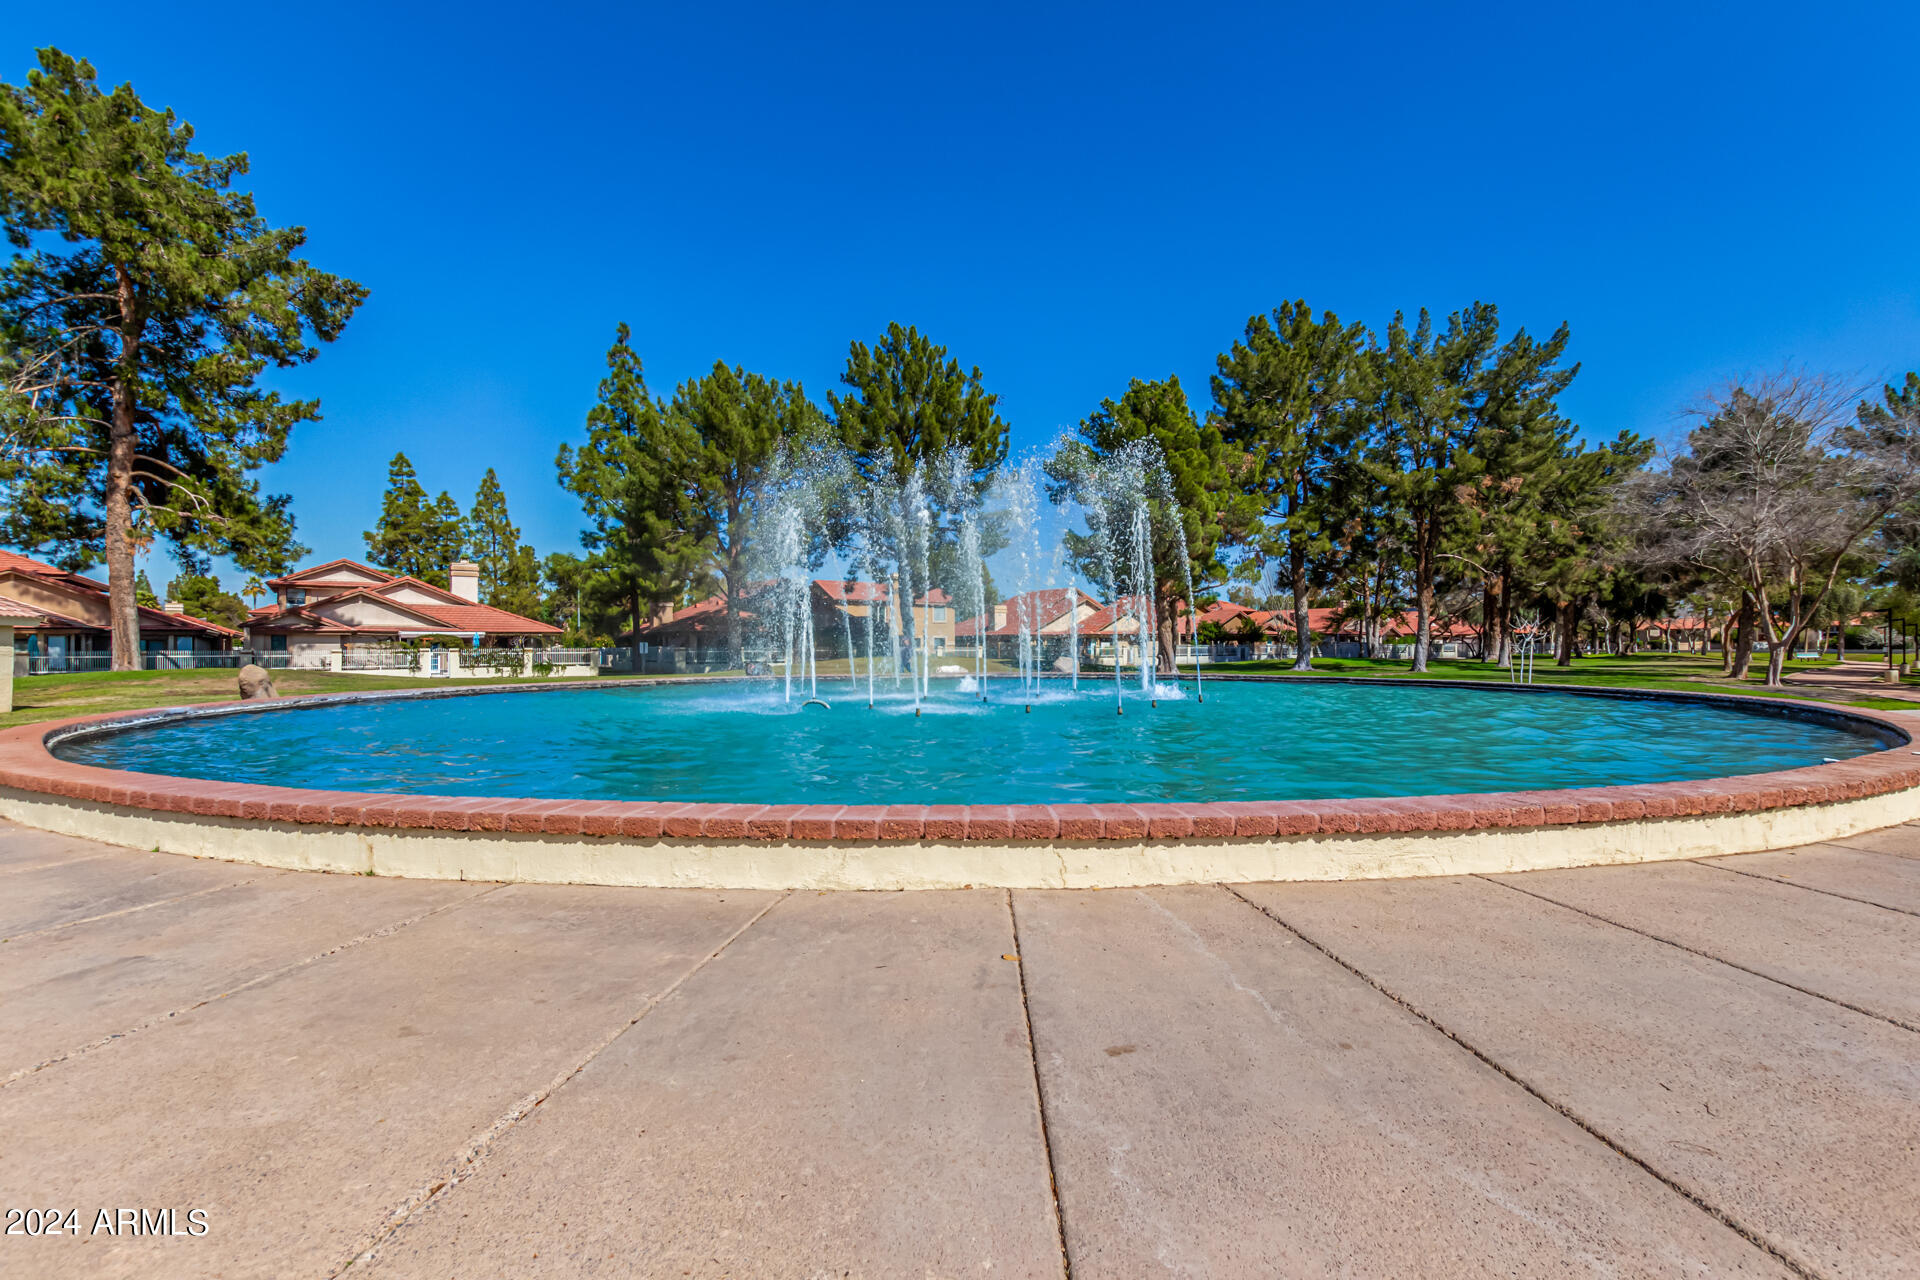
(55, 664)
(379, 659)
(471, 663)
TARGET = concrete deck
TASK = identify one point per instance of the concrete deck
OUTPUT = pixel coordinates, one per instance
(1697, 1068)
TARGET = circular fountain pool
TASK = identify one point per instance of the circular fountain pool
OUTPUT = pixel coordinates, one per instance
(750, 743)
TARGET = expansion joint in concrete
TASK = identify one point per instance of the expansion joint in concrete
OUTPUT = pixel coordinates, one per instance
(1039, 1092)
(468, 1161)
(257, 981)
(1810, 888)
(1592, 1130)
(22, 868)
(1707, 955)
(124, 911)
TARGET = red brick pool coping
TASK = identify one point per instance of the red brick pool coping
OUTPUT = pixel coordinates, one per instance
(28, 764)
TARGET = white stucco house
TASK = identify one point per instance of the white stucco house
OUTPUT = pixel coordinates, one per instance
(343, 605)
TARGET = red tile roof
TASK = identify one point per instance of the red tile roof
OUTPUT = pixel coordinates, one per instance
(456, 614)
(698, 618)
(299, 576)
(14, 560)
(1106, 620)
(61, 579)
(161, 620)
(482, 617)
(11, 608)
(862, 592)
(1040, 609)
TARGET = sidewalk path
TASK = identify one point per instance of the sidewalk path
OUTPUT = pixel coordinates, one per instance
(1685, 1069)
(1860, 679)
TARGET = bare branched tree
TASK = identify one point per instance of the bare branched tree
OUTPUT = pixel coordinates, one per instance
(1775, 487)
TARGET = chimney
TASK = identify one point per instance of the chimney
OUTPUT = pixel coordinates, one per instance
(463, 579)
(999, 616)
(174, 606)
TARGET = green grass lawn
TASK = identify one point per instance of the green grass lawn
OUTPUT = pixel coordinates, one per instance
(1638, 671)
(54, 697)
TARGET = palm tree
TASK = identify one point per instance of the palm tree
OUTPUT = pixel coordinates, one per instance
(254, 588)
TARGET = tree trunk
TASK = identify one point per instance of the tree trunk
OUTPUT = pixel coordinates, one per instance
(1506, 616)
(1777, 650)
(123, 438)
(1302, 625)
(122, 610)
(736, 654)
(123, 442)
(1743, 639)
(1565, 625)
(1169, 629)
(1492, 628)
(1422, 593)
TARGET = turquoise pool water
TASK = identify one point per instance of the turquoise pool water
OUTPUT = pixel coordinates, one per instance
(1291, 740)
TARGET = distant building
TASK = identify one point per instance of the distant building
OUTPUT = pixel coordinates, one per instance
(1050, 616)
(74, 630)
(697, 633)
(343, 604)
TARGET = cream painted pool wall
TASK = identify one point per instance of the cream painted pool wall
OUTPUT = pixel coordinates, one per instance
(876, 865)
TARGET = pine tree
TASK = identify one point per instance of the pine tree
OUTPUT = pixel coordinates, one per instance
(146, 301)
(201, 595)
(1285, 398)
(509, 569)
(143, 592)
(909, 402)
(736, 422)
(1205, 507)
(627, 478)
(519, 588)
(415, 538)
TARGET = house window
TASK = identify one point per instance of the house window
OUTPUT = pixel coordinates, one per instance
(276, 644)
(296, 595)
(939, 613)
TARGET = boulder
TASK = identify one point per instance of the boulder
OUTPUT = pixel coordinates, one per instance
(255, 683)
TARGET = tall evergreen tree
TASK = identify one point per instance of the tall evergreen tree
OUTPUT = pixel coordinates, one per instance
(1285, 398)
(414, 537)
(1426, 387)
(577, 594)
(1898, 404)
(509, 569)
(735, 422)
(1203, 508)
(1515, 476)
(145, 301)
(201, 595)
(627, 478)
(909, 404)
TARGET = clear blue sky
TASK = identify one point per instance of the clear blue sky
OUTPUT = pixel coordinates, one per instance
(1066, 197)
